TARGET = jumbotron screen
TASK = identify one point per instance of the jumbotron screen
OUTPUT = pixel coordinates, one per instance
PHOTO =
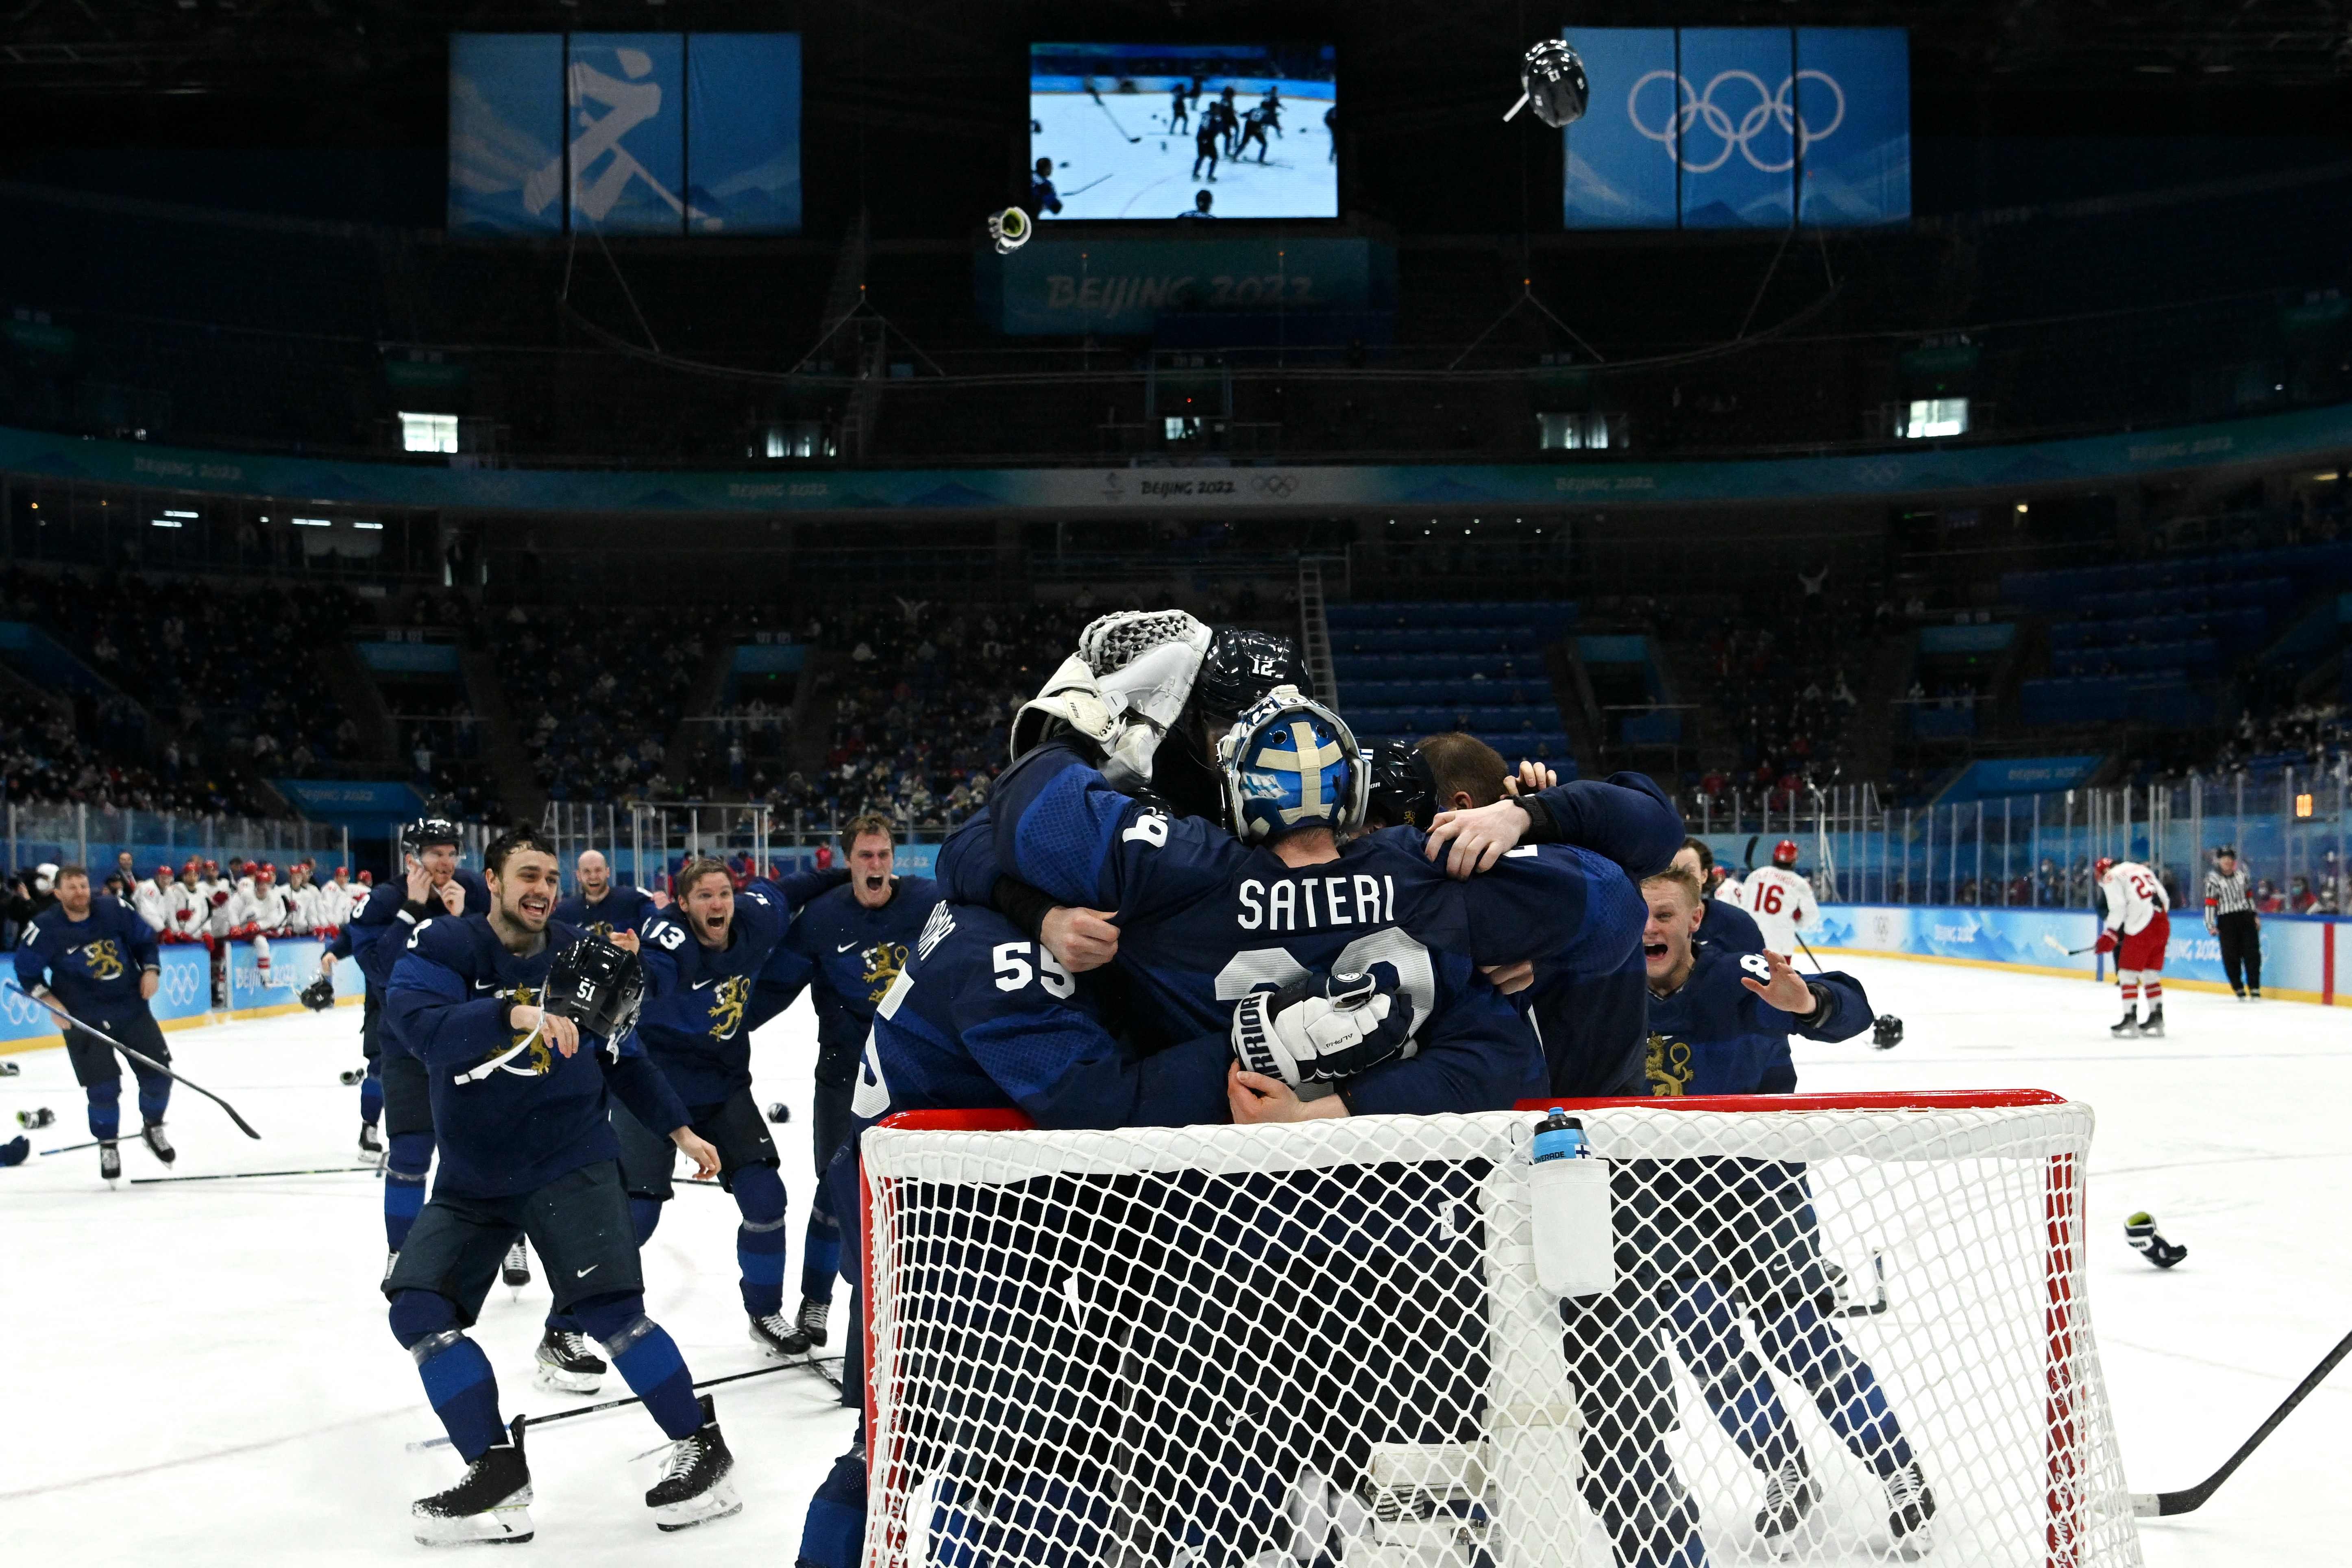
(1183, 131)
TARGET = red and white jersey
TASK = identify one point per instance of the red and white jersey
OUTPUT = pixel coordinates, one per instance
(153, 902)
(1780, 900)
(220, 896)
(2136, 896)
(305, 903)
(338, 901)
(190, 912)
(264, 905)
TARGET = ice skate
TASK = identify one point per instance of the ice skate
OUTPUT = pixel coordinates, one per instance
(780, 1336)
(157, 1145)
(694, 1488)
(491, 1506)
(567, 1365)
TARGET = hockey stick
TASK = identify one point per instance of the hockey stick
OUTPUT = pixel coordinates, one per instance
(87, 1143)
(1809, 951)
(247, 1176)
(520, 1421)
(1090, 185)
(151, 1063)
(2160, 1505)
(1096, 94)
(2052, 944)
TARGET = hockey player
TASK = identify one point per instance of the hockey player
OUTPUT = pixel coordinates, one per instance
(258, 910)
(2137, 928)
(186, 910)
(600, 905)
(1727, 923)
(99, 960)
(1742, 1234)
(1179, 116)
(1779, 899)
(703, 955)
(435, 885)
(1043, 198)
(1253, 126)
(847, 946)
(153, 899)
(1206, 145)
(522, 1097)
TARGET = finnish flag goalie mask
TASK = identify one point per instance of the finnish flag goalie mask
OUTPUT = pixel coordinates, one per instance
(1290, 762)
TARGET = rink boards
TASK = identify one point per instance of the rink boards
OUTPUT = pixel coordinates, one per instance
(183, 997)
(2298, 951)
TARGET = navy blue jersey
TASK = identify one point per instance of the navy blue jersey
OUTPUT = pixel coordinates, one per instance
(621, 909)
(378, 933)
(984, 1019)
(1206, 919)
(697, 1023)
(1595, 1028)
(847, 955)
(93, 965)
(517, 1125)
(1717, 1036)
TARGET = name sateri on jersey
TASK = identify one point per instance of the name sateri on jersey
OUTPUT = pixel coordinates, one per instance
(1312, 903)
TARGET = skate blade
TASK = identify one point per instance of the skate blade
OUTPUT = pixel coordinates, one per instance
(514, 1281)
(1919, 1543)
(506, 1523)
(774, 1352)
(555, 1380)
(718, 1502)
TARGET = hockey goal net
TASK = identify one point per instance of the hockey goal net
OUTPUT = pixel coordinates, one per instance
(1843, 1327)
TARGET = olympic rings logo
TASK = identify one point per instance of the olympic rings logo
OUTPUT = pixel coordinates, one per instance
(181, 985)
(1770, 107)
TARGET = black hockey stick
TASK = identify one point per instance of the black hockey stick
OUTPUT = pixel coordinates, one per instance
(1096, 94)
(1090, 185)
(152, 1065)
(86, 1143)
(2159, 1505)
(248, 1175)
(1809, 951)
(520, 1422)
(2051, 943)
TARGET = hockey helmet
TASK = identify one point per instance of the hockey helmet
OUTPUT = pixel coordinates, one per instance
(1553, 79)
(163, 875)
(596, 985)
(1403, 790)
(368, 878)
(1290, 762)
(1887, 1031)
(1243, 666)
(427, 833)
(1784, 854)
(2101, 867)
(265, 874)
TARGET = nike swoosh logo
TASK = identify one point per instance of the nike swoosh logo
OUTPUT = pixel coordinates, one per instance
(844, 947)
(493, 985)
(587, 1271)
(701, 985)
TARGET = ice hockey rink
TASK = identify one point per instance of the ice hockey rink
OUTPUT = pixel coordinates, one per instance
(199, 1374)
(1098, 173)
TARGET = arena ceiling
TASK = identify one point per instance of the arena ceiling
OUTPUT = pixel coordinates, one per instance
(70, 48)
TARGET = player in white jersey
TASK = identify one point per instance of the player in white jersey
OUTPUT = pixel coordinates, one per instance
(260, 909)
(153, 899)
(1779, 898)
(2139, 927)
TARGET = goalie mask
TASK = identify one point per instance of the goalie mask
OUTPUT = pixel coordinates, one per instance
(1553, 79)
(1290, 762)
(596, 985)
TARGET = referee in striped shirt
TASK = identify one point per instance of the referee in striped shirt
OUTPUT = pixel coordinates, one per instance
(2230, 915)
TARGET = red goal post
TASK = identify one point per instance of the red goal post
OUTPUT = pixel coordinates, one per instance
(1050, 1317)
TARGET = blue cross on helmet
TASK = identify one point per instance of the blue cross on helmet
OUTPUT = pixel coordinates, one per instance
(1291, 762)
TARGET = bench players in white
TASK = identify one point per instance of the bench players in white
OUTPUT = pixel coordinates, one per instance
(1781, 899)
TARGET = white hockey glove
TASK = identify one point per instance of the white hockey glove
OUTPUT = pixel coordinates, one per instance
(1321, 1028)
(1144, 663)
(1070, 699)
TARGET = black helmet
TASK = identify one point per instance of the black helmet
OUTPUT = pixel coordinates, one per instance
(1887, 1032)
(596, 985)
(1404, 792)
(427, 832)
(1241, 667)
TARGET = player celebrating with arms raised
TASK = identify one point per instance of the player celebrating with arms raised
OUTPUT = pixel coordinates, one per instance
(521, 1094)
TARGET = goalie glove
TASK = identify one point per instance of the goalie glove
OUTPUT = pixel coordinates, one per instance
(1122, 690)
(1322, 1026)
(1069, 701)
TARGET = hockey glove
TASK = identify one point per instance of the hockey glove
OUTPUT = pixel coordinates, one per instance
(1144, 663)
(2140, 1231)
(1321, 1028)
(320, 995)
(1070, 699)
(2106, 942)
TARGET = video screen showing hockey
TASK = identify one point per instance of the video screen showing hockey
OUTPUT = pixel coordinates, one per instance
(1183, 131)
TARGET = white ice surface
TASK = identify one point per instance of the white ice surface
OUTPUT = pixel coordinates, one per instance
(201, 1373)
(1152, 178)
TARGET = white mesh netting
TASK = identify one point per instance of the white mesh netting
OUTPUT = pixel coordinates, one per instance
(1837, 1334)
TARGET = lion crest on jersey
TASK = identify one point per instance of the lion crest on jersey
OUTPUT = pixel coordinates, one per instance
(104, 958)
(1668, 1065)
(727, 1006)
(539, 1060)
(883, 963)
